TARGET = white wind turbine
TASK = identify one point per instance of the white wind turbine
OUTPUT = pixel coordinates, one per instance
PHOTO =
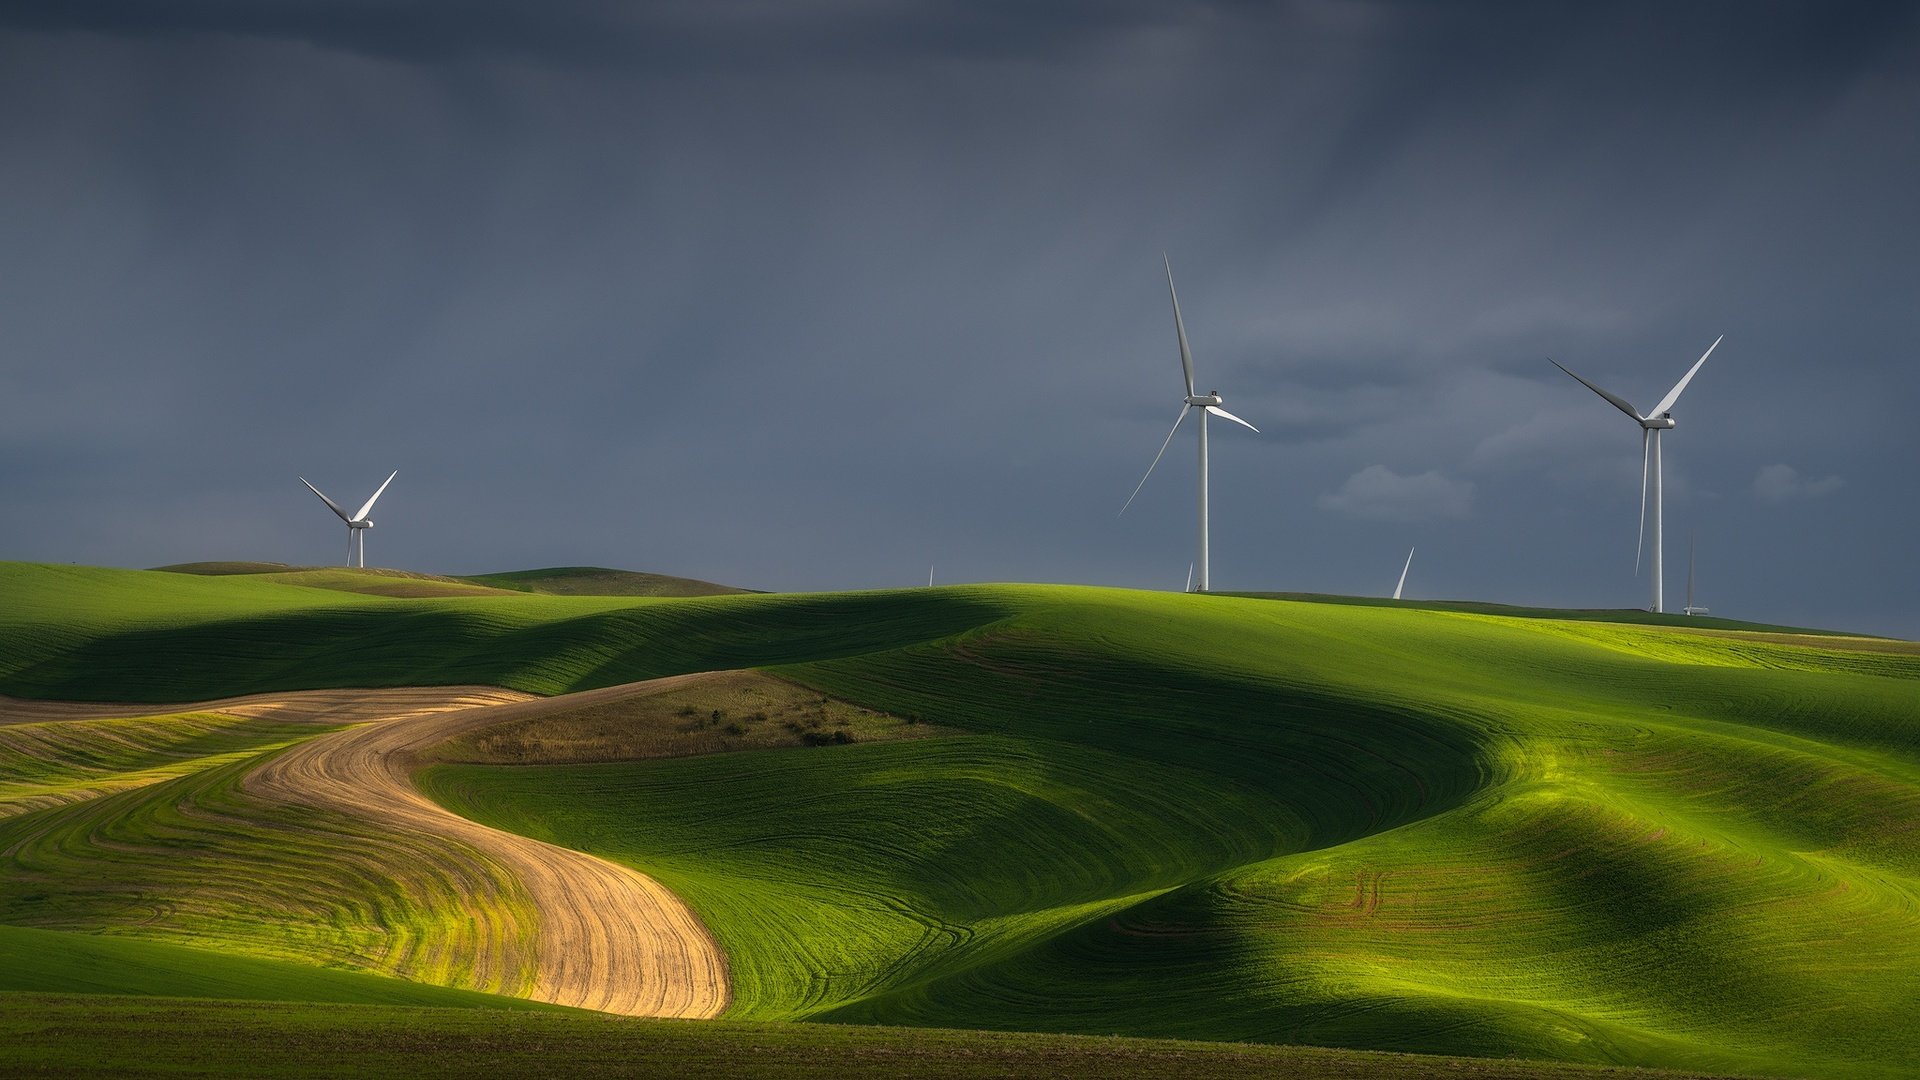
(1651, 425)
(358, 523)
(1403, 575)
(1210, 403)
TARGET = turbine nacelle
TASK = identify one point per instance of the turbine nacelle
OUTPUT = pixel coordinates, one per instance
(357, 521)
(1652, 423)
(1213, 398)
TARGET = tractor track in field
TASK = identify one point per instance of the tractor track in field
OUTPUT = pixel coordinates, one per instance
(605, 937)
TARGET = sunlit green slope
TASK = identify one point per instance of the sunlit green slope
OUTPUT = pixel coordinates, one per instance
(1208, 817)
(1240, 819)
(42, 962)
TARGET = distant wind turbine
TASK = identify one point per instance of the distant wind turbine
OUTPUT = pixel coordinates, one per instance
(1403, 575)
(1691, 609)
(1210, 403)
(1651, 425)
(358, 523)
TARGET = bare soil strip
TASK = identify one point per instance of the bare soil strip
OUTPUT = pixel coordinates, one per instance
(607, 937)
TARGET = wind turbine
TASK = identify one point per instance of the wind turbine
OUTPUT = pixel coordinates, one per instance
(1651, 425)
(1210, 403)
(1403, 575)
(358, 523)
(1690, 609)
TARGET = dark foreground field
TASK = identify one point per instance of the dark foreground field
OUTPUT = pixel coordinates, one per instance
(162, 1037)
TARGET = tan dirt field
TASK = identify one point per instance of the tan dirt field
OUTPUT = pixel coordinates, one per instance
(607, 937)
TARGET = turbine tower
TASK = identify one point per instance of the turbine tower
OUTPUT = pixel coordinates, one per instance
(357, 524)
(1651, 425)
(1209, 403)
(1691, 608)
(1403, 575)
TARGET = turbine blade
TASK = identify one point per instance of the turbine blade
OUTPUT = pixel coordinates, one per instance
(1641, 538)
(1189, 577)
(376, 496)
(1179, 327)
(1403, 574)
(334, 506)
(1156, 458)
(1673, 395)
(1617, 402)
(1224, 414)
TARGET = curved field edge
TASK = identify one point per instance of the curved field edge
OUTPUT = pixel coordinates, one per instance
(51, 1036)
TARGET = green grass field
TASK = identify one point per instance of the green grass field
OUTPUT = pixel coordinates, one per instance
(1215, 818)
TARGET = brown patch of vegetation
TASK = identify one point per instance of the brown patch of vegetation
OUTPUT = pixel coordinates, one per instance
(726, 711)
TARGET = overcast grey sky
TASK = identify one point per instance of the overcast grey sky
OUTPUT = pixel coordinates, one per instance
(807, 295)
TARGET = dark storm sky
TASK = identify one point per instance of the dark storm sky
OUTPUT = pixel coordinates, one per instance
(809, 295)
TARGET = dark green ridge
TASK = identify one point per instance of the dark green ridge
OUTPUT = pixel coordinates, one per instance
(74, 1037)
(600, 581)
(90, 634)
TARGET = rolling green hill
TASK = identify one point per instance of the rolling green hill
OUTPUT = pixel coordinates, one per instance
(1205, 817)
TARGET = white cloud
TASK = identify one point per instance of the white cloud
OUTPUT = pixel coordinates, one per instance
(1779, 483)
(1381, 494)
